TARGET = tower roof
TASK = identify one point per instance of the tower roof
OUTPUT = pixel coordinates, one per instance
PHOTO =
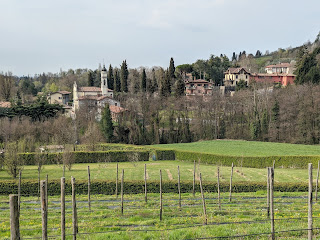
(104, 68)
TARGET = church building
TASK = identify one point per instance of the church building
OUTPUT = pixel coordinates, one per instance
(94, 97)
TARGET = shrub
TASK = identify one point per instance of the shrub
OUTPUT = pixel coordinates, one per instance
(165, 154)
(89, 157)
(30, 187)
(252, 162)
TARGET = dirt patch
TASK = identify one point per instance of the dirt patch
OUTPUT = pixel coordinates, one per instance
(169, 174)
(151, 164)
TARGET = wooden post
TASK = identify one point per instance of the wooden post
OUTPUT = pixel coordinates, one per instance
(179, 188)
(230, 190)
(268, 191)
(316, 194)
(117, 181)
(203, 202)
(47, 182)
(44, 210)
(74, 210)
(63, 209)
(194, 178)
(271, 203)
(89, 183)
(310, 203)
(14, 217)
(19, 190)
(219, 201)
(39, 181)
(160, 195)
(273, 165)
(122, 178)
(145, 183)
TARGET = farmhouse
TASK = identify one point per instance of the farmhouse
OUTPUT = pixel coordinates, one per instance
(284, 68)
(233, 75)
(198, 87)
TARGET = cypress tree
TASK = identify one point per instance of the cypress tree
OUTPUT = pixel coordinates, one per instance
(165, 89)
(124, 76)
(154, 82)
(106, 124)
(117, 82)
(110, 78)
(172, 69)
(179, 91)
(143, 84)
(90, 78)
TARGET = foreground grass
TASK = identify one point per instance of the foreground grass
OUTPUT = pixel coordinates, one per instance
(245, 215)
(245, 148)
(135, 171)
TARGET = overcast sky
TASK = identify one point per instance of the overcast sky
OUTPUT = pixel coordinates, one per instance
(45, 35)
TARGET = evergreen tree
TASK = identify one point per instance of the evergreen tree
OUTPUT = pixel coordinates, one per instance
(307, 69)
(154, 82)
(234, 57)
(179, 91)
(106, 124)
(110, 78)
(97, 78)
(124, 76)
(258, 53)
(143, 84)
(117, 82)
(165, 89)
(90, 78)
(172, 69)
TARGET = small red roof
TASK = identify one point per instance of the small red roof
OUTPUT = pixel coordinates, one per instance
(5, 104)
(197, 81)
(89, 89)
(116, 109)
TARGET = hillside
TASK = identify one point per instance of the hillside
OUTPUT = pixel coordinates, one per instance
(245, 148)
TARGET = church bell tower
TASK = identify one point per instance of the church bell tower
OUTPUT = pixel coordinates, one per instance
(104, 81)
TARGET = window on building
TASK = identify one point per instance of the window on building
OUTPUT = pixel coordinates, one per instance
(236, 76)
(199, 85)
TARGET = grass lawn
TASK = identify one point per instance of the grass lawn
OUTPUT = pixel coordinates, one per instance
(135, 171)
(245, 148)
(245, 215)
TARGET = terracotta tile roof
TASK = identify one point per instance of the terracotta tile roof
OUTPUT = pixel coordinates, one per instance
(273, 74)
(280, 65)
(103, 97)
(5, 104)
(116, 109)
(89, 89)
(198, 81)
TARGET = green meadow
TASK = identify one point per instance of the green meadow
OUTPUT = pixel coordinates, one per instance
(245, 148)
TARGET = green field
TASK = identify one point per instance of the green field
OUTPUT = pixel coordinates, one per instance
(245, 215)
(135, 171)
(245, 148)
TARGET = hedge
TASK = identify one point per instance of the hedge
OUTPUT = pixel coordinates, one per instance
(88, 157)
(164, 154)
(108, 147)
(30, 187)
(251, 162)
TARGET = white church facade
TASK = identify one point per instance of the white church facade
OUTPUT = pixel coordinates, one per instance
(95, 97)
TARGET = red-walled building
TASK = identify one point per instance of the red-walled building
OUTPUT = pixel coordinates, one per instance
(198, 87)
(283, 79)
